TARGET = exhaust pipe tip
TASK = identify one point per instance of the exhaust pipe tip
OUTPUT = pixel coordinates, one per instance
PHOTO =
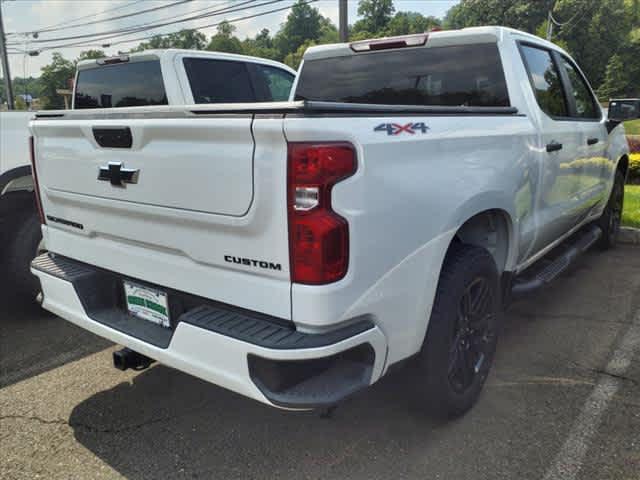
(127, 358)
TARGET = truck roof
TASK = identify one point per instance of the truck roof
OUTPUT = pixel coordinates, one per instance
(167, 53)
(439, 38)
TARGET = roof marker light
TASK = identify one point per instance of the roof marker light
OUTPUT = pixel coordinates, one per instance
(403, 41)
(112, 60)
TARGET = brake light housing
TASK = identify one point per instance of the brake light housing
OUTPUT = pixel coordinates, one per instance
(36, 185)
(318, 236)
(388, 43)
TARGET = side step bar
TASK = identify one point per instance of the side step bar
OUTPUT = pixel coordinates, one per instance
(539, 276)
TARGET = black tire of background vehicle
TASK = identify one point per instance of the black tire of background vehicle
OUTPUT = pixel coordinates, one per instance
(611, 218)
(463, 267)
(22, 249)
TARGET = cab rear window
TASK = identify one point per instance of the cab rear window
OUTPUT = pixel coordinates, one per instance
(128, 84)
(465, 75)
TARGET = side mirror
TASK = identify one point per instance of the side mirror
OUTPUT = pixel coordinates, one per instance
(621, 110)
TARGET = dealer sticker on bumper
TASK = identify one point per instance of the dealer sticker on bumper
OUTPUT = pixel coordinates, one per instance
(147, 303)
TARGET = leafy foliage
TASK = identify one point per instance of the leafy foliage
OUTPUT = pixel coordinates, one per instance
(224, 41)
(376, 15)
(54, 76)
(304, 23)
(188, 39)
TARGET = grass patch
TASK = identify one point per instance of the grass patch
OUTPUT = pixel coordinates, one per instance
(631, 212)
(632, 127)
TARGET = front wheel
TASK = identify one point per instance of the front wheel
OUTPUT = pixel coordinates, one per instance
(612, 216)
(460, 343)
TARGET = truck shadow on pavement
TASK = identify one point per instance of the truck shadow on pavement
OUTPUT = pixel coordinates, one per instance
(166, 424)
(33, 341)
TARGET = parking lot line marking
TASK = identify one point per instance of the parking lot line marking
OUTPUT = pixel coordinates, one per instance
(569, 460)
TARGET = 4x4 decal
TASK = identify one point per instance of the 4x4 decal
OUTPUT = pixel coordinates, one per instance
(397, 129)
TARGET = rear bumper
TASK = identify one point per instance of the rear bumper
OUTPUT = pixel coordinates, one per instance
(218, 343)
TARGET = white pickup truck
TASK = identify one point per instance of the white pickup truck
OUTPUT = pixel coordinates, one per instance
(293, 252)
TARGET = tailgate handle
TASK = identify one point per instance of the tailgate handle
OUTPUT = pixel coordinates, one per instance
(113, 137)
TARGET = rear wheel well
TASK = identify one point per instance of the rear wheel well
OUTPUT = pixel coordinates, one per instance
(490, 230)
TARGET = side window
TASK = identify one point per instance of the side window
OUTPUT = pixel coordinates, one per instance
(545, 80)
(585, 103)
(278, 82)
(219, 81)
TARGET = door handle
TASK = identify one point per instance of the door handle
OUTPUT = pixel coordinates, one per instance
(554, 147)
(592, 141)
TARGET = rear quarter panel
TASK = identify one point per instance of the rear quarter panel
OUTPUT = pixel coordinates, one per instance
(409, 196)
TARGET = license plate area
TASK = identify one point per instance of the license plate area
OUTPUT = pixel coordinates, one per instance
(147, 303)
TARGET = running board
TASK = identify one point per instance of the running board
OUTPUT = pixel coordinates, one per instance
(546, 271)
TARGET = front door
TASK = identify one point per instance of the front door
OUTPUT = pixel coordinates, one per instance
(593, 167)
(557, 206)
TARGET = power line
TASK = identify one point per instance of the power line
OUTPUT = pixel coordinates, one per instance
(562, 24)
(551, 21)
(233, 20)
(88, 43)
(152, 25)
(66, 22)
(73, 37)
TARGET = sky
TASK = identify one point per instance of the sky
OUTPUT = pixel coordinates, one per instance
(31, 15)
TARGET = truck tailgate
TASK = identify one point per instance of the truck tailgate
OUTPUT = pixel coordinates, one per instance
(206, 214)
(191, 164)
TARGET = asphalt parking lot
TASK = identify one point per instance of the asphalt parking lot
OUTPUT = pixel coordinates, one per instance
(563, 401)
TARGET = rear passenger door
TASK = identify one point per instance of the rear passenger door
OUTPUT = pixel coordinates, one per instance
(557, 205)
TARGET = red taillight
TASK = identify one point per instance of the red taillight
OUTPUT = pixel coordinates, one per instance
(36, 185)
(318, 237)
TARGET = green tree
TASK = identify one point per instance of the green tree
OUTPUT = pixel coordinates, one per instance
(303, 24)
(524, 15)
(188, 39)
(404, 23)
(293, 59)
(224, 41)
(261, 45)
(54, 76)
(91, 55)
(376, 15)
(19, 103)
(622, 76)
(595, 35)
(22, 86)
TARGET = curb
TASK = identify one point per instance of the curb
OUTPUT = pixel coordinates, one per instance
(629, 235)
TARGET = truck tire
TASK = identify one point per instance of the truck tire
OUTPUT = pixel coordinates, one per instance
(23, 248)
(611, 218)
(461, 339)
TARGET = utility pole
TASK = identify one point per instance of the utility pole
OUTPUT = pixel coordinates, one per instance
(343, 21)
(5, 64)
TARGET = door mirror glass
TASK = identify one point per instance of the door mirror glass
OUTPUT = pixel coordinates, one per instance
(624, 109)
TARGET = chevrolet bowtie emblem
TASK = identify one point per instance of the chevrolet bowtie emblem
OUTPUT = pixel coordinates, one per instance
(117, 175)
